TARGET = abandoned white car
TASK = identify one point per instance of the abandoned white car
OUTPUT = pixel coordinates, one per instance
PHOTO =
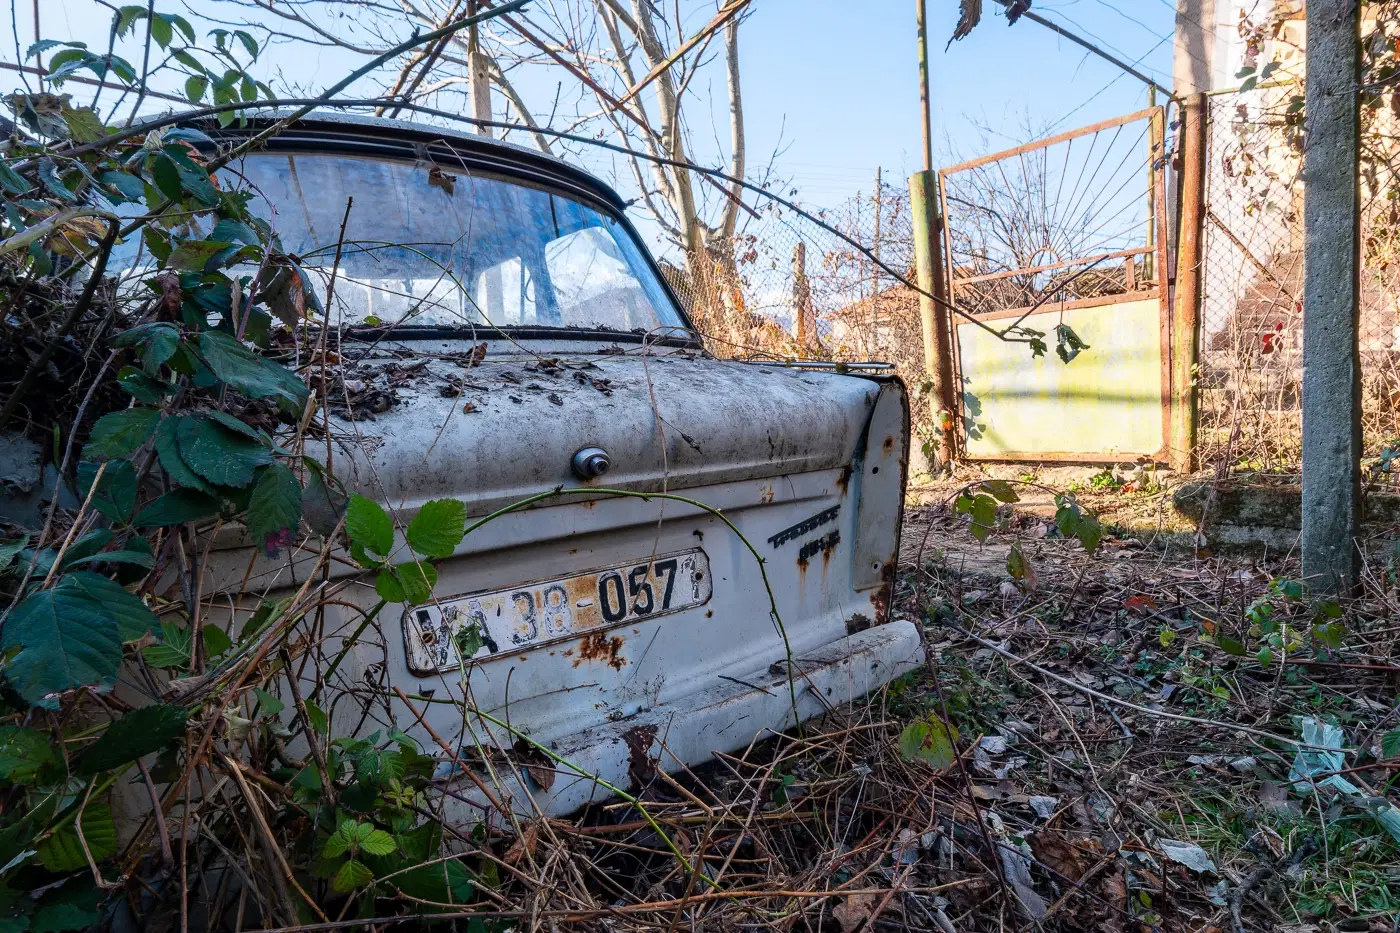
(504, 334)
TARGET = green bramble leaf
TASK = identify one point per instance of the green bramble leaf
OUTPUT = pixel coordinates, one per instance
(929, 741)
(352, 875)
(62, 640)
(84, 125)
(417, 580)
(317, 719)
(248, 372)
(1229, 645)
(269, 705)
(1390, 744)
(134, 618)
(166, 176)
(63, 851)
(177, 507)
(11, 549)
(216, 641)
(446, 882)
(274, 510)
(219, 455)
(387, 585)
(369, 525)
(378, 842)
(984, 516)
(438, 527)
(73, 905)
(138, 733)
(174, 650)
(120, 433)
(48, 174)
(23, 754)
(1001, 490)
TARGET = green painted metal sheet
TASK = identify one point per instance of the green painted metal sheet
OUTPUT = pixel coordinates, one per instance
(1106, 401)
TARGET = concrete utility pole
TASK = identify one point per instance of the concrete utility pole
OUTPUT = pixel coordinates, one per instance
(928, 257)
(1331, 293)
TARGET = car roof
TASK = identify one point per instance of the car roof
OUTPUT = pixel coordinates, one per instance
(356, 134)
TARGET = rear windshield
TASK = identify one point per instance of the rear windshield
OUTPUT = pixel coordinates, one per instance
(429, 246)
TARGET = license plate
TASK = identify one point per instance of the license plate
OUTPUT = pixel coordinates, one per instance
(527, 616)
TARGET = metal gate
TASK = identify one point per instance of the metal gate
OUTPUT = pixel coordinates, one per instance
(1055, 240)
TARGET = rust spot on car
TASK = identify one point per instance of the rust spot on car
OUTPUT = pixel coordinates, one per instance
(880, 599)
(889, 443)
(858, 623)
(641, 767)
(765, 493)
(844, 480)
(597, 646)
(709, 613)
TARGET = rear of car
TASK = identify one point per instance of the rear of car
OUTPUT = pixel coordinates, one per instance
(711, 545)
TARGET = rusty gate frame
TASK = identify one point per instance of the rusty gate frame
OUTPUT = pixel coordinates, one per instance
(1161, 289)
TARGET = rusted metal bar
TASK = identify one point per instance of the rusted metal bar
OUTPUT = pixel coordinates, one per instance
(1030, 270)
(1052, 140)
(1158, 200)
(1189, 275)
(938, 342)
(1102, 301)
(1013, 456)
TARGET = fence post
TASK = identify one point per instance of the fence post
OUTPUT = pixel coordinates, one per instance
(938, 343)
(802, 299)
(1190, 273)
(1331, 292)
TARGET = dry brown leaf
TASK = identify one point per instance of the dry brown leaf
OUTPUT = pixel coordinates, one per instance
(853, 911)
(523, 844)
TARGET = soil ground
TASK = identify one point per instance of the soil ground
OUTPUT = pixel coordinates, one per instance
(1125, 721)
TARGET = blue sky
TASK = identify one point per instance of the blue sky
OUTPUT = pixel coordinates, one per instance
(842, 80)
(831, 87)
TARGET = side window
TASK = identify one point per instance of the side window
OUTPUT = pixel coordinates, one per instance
(593, 284)
(505, 294)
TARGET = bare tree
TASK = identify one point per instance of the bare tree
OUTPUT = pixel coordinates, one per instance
(611, 68)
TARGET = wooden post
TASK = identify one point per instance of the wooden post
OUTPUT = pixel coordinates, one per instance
(1190, 268)
(924, 198)
(802, 309)
(1155, 136)
(478, 78)
(1331, 292)
(938, 343)
(875, 275)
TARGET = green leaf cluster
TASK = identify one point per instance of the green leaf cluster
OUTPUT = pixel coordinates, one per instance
(980, 501)
(435, 532)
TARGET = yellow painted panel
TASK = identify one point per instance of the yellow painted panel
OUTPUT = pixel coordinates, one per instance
(1107, 400)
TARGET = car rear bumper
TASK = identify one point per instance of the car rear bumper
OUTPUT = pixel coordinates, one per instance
(731, 714)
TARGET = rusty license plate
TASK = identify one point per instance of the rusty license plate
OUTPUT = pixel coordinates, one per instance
(505, 621)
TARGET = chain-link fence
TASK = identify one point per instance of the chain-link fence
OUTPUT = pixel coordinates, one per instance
(1251, 351)
(796, 286)
(791, 287)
